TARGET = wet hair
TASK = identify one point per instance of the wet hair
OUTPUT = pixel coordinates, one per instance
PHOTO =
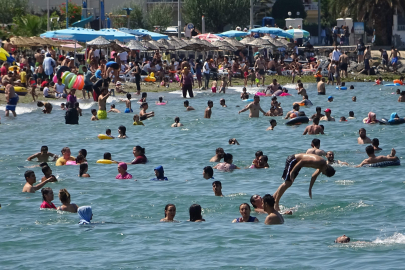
(107, 155)
(273, 121)
(375, 142)
(160, 99)
(93, 110)
(265, 158)
(296, 107)
(351, 113)
(269, 200)
(370, 150)
(228, 157)
(44, 148)
(316, 120)
(300, 85)
(123, 129)
(112, 105)
(28, 173)
(64, 196)
(343, 118)
(244, 204)
(64, 149)
(77, 104)
(45, 191)
(195, 212)
(40, 104)
(318, 108)
(177, 119)
(274, 98)
(144, 95)
(252, 200)
(79, 158)
(143, 104)
(217, 183)
(210, 101)
(142, 150)
(108, 131)
(167, 207)
(330, 171)
(219, 150)
(351, 86)
(129, 96)
(83, 152)
(83, 167)
(259, 153)
(316, 142)
(209, 170)
(45, 169)
(186, 102)
(343, 84)
(323, 127)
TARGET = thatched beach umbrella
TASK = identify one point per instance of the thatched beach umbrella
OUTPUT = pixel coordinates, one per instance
(136, 46)
(100, 42)
(235, 43)
(149, 46)
(258, 42)
(247, 40)
(167, 44)
(223, 45)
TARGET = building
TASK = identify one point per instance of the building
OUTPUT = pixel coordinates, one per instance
(312, 11)
(398, 29)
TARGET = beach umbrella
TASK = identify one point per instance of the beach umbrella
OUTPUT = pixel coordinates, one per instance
(118, 35)
(235, 43)
(177, 45)
(209, 46)
(195, 44)
(100, 42)
(258, 42)
(299, 33)
(208, 37)
(78, 34)
(272, 31)
(143, 32)
(223, 45)
(136, 46)
(274, 42)
(233, 34)
(247, 40)
(149, 46)
(167, 44)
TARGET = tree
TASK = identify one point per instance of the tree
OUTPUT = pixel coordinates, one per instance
(74, 12)
(160, 15)
(29, 25)
(262, 9)
(377, 13)
(282, 7)
(135, 18)
(12, 8)
(217, 13)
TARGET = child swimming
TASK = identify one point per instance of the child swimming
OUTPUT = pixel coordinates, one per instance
(94, 113)
(108, 133)
(136, 121)
(43, 156)
(128, 108)
(224, 84)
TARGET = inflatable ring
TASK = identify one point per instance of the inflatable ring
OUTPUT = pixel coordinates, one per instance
(64, 75)
(341, 88)
(260, 94)
(298, 121)
(55, 79)
(81, 83)
(384, 164)
(104, 137)
(21, 91)
(392, 84)
(161, 103)
(67, 79)
(249, 99)
(72, 81)
(104, 161)
(12, 68)
(71, 162)
(76, 83)
(150, 79)
(398, 82)
(385, 121)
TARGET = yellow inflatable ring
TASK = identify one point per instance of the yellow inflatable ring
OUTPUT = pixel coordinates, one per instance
(104, 161)
(104, 137)
(12, 68)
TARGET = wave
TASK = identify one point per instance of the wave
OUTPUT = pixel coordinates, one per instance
(397, 238)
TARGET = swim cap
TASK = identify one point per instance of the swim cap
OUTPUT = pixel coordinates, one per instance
(123, 165)
(330, 97)
(327, 110)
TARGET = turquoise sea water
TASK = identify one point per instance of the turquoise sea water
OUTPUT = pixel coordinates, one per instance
(364, 203)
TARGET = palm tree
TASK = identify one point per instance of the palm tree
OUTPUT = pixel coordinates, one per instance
(29, 25)
(378, 13)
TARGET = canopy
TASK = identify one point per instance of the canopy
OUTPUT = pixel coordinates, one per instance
(100, 41)
(208, 37)
(72, 46)
(136, 45)
(233, 33)
(299, 33)
(272, 31)
(118, 35)
(143, 32)
(78, 34)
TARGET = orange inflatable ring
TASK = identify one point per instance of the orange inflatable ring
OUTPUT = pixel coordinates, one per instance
(150, 79)
(398, 81)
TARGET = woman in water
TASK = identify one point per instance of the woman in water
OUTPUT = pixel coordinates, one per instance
(195, 213)
(139, 154)
(64, 198)
(122, 171)
(244, 210)
(227, 165)
(143, 114)
(86, 214)
(371, 118)
(83, 170)
(177, 122)
(71, 97)
(47, 195)
(83, 152)
(170, 213)
(121, 132)
(161, 101)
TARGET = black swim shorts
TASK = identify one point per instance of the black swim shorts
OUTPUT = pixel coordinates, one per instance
(289, 165)
(261, 72)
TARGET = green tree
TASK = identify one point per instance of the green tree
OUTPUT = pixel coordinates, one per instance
(10, 9)
(262, 8)
(376, 13)
(136, 19)
(74, 12)
(282, 7)
(160, 15)
(217, 13)
(29, 25)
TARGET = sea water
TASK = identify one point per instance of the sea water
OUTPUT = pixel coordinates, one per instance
(363, 203)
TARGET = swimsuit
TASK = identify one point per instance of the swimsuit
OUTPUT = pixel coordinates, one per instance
(125, 176)
(128, 110)
(223, 89)
(289, 165)
(394, 60)
(214, 89)
(102, 114)
(12, 103)
(143, 117)
(261, 71)
(251, 219)
(47, 205)
(138, 123)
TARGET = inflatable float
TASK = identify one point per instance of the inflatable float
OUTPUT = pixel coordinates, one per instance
(341, 88)
(392, 84)
(298, 121)
(104, 161)
(104, 137)
(384, 164)
(385, 121)
(21, 91)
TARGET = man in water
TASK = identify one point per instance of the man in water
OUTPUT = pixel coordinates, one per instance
(257, 202)
(327, 116)
(260, 66)
(313, 129)
(219, 154)
(102, 100)
(330, 156)
(43, 156)
(321, 87)
(222, 103)
(375, 143)
(316, 143)
(208, 112)
(187, 106)
(363, 139)
(66, 156)
(318, 113)
(11, 98)
(372, 158)
(254, 108)
(113, 109)
(274, 217)
(272, 88)
(294, 164)
(208, 172)
(273, 124)
(31, 179)
(217, 188)
(394, 58)
(344, 63)
(294, 112)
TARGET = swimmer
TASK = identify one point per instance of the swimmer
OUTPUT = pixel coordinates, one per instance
(136, 121)
(208, 112)
(342, 119)
(83, 152)
(160, 174)
(143, 115)
(273, 124)
(222, 103)
(294, 112)
(244, 95)
(273, 217)
(64, 197)
(224, 85)
(244, 210)
(122, 172)
(217, 188)
(233, 141)
(108, 133)
(318, 113)
(219, 154)
(315, 144)
(258, 154)
(254, 108)
(321, 87)
(107, 156)
(48, 108)
(342, 239)
(262, 162)
(177, 122)
(351, 87)
(47, 171)
(63, 106)
(375, 143)
(161, 101)
(372, 158)
(86, 215)
(84, 167)
(121, 132)
(227, 165)
(313, 129)
(66, 156)
(47, 196)
(208, 172)
(363, 139)
(294, 164)
(94, 113)
(139, 154)
(398, 92)
(43, 156)
(330, 159)
(257, 203)
(128, 108)
(401, 98)
(188, 107)
(170, 213)
(113, 109)
(31, 179)
(195, 213)
(330, 99)
(327, 116)
(143, 97)
(102, 100)
(351, 115)
(354, 99)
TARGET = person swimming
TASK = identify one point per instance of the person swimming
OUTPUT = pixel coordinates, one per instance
(47, 195)
(143, 114)
(64, 197)
(244, 210)
(139, 154)
(170, 213)
(85, 214)
(177, 122)
(217, 188)
(227, 165)
(83, 170)
(136, 121)
(195, 213)
(128, 108)
(121, 131)
(187, 105)
(122, 172)
(160, 174)
(208, 172)
(43, 156)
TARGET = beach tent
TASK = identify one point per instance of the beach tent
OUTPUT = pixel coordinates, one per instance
(78, 34)
(143, 32)
(233, 33)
